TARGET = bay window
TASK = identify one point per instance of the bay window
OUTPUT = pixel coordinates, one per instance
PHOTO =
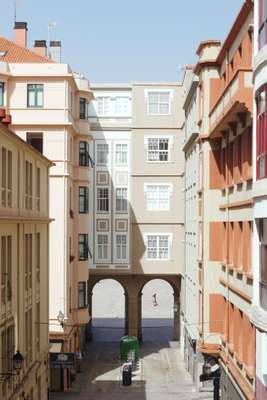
(84, 154)
(83, 108)
(102, 247)
(121, 247)
(102, 199)
(121, 154)
(121, 200)
(102, 154)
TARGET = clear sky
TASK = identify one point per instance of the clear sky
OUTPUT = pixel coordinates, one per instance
(124, 40)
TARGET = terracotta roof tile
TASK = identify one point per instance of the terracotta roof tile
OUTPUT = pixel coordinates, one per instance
(18, 54)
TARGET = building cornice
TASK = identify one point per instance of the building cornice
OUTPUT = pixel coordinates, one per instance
(258, 317)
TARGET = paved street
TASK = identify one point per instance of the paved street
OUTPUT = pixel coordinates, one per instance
(162, 376)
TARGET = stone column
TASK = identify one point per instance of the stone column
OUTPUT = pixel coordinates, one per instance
(133, 315)
(89, 333)
(176, 317)
(126, 318)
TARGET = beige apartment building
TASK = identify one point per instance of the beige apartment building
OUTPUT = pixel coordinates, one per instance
(24, 260)
(136, 199)
(47, 103)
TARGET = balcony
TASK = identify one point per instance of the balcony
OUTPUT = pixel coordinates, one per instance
(235, 99)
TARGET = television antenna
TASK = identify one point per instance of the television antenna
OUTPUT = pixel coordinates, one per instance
(16, 3)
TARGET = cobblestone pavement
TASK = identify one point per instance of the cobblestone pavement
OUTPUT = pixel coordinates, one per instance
(162, 375)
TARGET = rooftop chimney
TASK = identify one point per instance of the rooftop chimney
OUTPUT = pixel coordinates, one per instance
(40, 48)
(55, 51)
(20, 33)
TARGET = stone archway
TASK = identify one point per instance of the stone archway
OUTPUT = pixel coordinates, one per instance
(104, 317)
(161, 290)
(133, 286)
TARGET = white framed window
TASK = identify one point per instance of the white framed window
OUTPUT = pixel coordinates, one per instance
(102, 247)
(102, 154)
(118, 106)
(102, 199)
(157, 197)
(121, 154)
(158, 246)
(121, 247)
(158, 149)
(158, 102)
(121, 200)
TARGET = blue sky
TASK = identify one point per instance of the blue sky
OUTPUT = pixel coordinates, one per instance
(125, 40)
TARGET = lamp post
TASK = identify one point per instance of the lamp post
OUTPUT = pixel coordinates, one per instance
(17, 364)
(60, 318)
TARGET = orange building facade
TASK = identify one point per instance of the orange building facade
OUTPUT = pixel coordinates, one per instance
(225, 198)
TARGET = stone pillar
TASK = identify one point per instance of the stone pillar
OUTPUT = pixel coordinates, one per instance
(133, 315)
(140, 333)
(89, 333)
(126, 318)
(176, 317)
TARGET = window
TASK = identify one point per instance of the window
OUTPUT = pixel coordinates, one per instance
(158, 149)
(28, 261)
(102, 154)
(157, 197)
(6, 181)
(263, 262)
(262, 23)
(113, 106)
(38, 256)
(83, 247)
(28, 185)
(82, 295)
(35, 139)
(83, 108)
(38, 326)
(102, 247)
(159, 103)
(38, 188)
(121, 154)
(35, 95)
(121, 247)
(102, 199)
(157, 247)
(121, 199)
(261, 146)
(83, 199)
(6, 263)
(2, 92)
(84, 154)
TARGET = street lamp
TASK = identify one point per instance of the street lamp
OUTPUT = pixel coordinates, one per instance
(60, 318)
(18, 361)
(16, 367)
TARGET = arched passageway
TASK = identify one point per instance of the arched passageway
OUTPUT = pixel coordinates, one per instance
(158, 311)
(108, 307)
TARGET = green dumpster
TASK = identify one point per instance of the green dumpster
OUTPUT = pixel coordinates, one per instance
(127, 344)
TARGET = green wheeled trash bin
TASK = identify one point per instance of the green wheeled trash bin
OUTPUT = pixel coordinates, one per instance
(128, 344)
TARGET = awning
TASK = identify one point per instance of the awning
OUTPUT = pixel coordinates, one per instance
(55, 347)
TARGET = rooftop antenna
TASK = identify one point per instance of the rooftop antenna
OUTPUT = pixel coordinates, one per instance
(51, 25)
(16, 3)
